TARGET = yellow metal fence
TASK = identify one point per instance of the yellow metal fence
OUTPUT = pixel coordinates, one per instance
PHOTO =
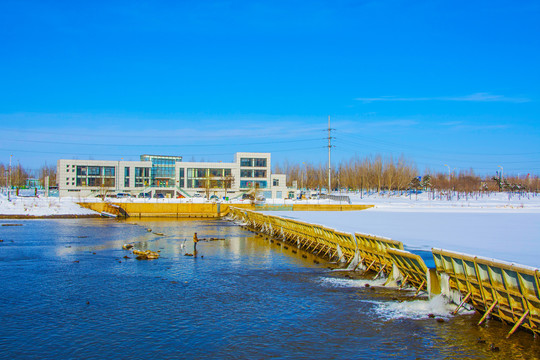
(509, 292)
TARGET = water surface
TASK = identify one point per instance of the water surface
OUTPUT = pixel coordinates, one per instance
(68, 292)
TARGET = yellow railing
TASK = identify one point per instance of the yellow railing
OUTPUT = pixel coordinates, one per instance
(504, 290)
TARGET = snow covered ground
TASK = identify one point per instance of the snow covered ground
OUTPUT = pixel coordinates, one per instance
(31, 206)
(493, 227)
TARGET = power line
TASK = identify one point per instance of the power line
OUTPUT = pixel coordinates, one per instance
(158, 145)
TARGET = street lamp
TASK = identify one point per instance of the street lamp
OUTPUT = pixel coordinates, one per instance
(502, 173)
(448, 171)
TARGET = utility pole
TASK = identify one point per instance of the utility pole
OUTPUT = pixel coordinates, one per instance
(329, 155)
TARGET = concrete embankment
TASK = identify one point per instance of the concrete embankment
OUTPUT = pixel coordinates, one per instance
(201, 210)
(507, 291)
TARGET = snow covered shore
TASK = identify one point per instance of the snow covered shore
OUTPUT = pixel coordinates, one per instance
(41, 207)
(493, 226)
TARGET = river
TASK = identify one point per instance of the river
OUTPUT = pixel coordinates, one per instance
(68, 292)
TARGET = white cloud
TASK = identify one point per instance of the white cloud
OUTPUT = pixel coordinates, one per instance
(476, 97)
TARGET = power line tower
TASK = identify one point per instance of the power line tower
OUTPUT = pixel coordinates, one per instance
(329, 156)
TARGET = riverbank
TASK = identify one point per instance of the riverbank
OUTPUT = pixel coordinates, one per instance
(40, 208)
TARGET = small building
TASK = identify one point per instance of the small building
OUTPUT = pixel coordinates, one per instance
(170, 176)
(31, 183)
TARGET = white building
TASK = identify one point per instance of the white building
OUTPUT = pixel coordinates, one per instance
(169, 176)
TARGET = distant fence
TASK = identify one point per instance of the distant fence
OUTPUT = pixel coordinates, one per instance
(342, 198)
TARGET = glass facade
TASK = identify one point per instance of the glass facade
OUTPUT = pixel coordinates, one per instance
(142, 176)
(96, 176)
(253, 162)
(163, 169)
(202, 178)
(248, 184)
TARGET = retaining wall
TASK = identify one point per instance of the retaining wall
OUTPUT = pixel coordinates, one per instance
(203, 210)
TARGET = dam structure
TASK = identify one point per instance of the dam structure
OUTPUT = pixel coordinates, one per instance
(494, 288)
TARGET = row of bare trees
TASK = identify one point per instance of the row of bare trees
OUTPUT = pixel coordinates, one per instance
(18, 175)
(378, 173)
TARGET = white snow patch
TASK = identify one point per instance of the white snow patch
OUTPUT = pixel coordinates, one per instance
(35, 206)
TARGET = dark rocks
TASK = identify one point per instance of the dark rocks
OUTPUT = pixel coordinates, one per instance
(431, 316)
(493, 348)
(440, 320)
(481, 341)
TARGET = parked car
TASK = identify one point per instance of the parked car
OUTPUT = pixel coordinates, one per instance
(159, 196)
(197, 195)
(123, 195)
(144, 195)
(214, 197)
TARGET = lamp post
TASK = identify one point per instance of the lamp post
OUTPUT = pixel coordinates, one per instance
(9, 175)
(502, 173)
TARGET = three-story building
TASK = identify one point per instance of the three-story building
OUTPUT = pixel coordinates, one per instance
(170, 176)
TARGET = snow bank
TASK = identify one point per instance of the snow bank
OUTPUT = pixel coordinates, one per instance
(507, 234)
(21, 206)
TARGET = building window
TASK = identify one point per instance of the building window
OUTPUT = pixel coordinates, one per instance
(108, 171)
(246, 162)
(227, 172)
(200, 173)
(260, 173)
(216, 172)
(94, 170)
(108, 182)
(246, 173)
(181, 177)
(126, 176)
(275, 182)
(248, 184)
(260, 162)
(142, 176)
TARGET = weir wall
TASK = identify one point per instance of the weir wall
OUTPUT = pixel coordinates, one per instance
(202, 210)
(507, 291)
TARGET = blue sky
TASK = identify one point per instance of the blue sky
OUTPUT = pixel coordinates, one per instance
(440, 82)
